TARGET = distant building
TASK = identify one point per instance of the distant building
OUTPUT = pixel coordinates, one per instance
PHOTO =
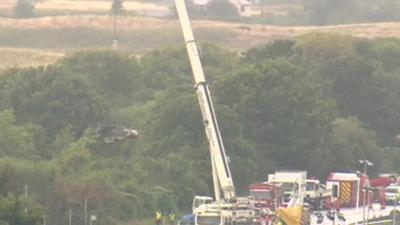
(254, 2)
(201, 2)
(243, 7)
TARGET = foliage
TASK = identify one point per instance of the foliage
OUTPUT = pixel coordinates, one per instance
(15, 140)
(117, 6)
(319, 102)
(293, 94)
(326, 12)
(52, 99)
(24, 8)
(352, 141)
(323, 12)
(12, 212)
(220, 10)
(357, 81)
(114, 77)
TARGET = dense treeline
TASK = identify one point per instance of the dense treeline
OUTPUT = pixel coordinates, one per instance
(318, 103)
(305, 12)
(322, 12)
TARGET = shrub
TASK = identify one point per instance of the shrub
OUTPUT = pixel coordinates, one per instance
(24, 9)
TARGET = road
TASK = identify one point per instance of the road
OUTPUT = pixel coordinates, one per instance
(352, 217)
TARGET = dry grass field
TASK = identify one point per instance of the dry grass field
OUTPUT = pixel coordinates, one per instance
(368, 30)
(243, 35)
(11, 57)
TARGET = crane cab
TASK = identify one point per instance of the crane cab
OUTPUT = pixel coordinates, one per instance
(207, 212)
(201, 200)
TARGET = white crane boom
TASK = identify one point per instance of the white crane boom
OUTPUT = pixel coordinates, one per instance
(222, 178)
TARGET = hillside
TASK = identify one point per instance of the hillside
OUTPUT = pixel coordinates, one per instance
(137, 35)
(370, 30)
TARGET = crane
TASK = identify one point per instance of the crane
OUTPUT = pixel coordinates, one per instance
(227, 207)
(223, 182)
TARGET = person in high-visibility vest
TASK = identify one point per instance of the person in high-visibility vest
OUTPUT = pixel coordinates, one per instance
(171, 218)
(158, 217)
(397, 198)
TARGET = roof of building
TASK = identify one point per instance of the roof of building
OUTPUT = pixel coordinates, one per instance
(342, 177)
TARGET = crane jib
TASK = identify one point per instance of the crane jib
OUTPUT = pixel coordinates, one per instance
(221, 172)
(216, 128)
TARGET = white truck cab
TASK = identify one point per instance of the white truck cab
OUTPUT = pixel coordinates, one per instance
(393, 194)
(293, 184)
(200, 200)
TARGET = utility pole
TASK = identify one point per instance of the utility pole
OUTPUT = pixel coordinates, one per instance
(26, 198)
(358, 195)
(335, 199)
(366, 163)
(115, 40)
(364, 199)
(85, 211)
(70, 217)
(117, 7)
(395, 211)
(366, 223)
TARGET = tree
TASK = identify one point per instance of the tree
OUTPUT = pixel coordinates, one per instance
(24, 8)
(118, 77)
(385, 51)
(12, 212)
(221, 9)
(323, 12)
(52, 98)
(216, 9)
(15, 141)
(319, 102)
(284, 112)
(117, 6)
(276, 49)
(359, 75)
(350, 142)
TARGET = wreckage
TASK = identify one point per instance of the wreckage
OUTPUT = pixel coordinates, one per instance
(113, 133)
